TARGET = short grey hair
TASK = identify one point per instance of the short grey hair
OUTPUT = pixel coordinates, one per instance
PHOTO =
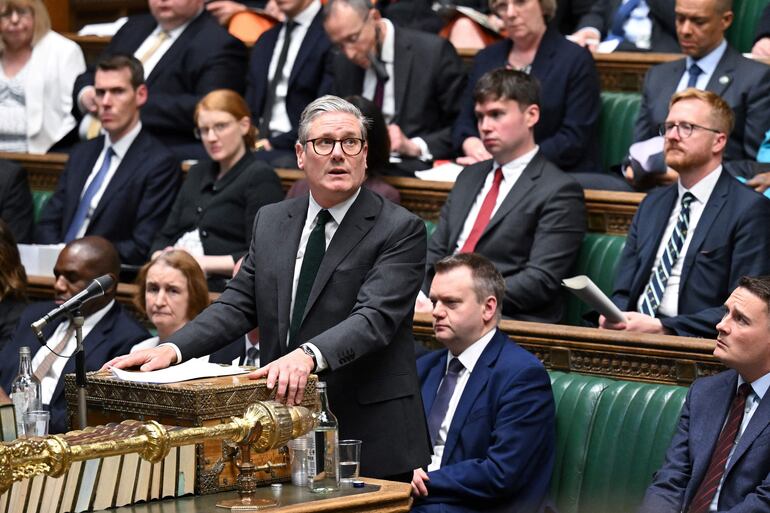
(324, 104)
(361, 7)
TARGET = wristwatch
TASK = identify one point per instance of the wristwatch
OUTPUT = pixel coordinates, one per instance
(306, 349)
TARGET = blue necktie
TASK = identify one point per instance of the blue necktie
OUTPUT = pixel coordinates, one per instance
(444, 394)
(653, 293)
(85, 202)
(694, 71)
(314, 254)
(621, 16)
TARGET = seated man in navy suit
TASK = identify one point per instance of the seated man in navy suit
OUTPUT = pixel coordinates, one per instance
(719, 458)
(489, 403)
(108, 330)
(120, 185)
(276, 96)
(186, 55)
(690, 242)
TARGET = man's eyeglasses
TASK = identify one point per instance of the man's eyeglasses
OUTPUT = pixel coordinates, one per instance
(351, 146)
(21, 12)
(683, 129)
(218, 128)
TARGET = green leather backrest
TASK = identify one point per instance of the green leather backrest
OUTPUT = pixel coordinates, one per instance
(616, 125)
(632, 428)
(430, 227)
(576, 396)
(741, 32)
(39, 199)
(599, 256)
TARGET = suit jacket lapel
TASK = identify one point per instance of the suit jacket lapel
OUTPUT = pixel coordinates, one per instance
(262, 66)
(758, 423)
(432, 381)
(402, 68)
(131, 161)
(465, 198)
(357, 222)
(521, 188)
(475, 385)
(313, 34)
(652, 234)
(707, 218)
(724, 73)
(291, 227)
(178, 46)
(79, 176)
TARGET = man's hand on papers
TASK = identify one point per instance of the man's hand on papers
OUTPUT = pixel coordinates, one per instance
(290, 372)
(635, 322)
(147, 359)
(419, 478)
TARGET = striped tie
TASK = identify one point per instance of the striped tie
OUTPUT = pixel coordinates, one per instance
(653, 293)
(719, 458)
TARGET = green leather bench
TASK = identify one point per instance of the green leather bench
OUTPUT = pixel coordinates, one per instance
(39, 199)
(598, 259)
(616, 126)
(611, 436)
(741, 32)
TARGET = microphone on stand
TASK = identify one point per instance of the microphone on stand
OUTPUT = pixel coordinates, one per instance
(95, 289)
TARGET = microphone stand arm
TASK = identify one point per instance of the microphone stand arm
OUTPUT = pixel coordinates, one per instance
(80, 367)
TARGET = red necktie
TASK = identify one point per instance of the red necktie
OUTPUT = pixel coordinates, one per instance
(485, 213)
(708, 487)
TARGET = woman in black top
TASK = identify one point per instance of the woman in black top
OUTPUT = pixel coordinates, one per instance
(212, 216)
(13, 284)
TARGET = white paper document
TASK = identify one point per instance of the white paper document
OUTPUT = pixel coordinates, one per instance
(444, 173)
(191, 369)
(587, 291)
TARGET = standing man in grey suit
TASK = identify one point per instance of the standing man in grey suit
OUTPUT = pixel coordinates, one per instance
(719, 458)
(518, 210)
(711, 64)
(416, 79)
(330, 279)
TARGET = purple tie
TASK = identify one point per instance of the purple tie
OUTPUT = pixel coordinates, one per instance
(444, 394)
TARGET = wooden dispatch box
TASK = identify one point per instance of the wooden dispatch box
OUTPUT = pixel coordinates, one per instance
(199, 402)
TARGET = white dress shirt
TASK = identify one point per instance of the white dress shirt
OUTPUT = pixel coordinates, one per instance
(669, 303)
(468, 358)
(279, 119)
(50, 380)
(119, 149)
(707, 64)
(158, 54)
(758, 389)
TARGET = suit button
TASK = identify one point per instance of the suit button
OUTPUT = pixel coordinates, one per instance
(199, 209)
(204, 233)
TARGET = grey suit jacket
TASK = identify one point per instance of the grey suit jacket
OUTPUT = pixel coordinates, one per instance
(533, 239)
(743, 83)
(359, 315)
(429, 81)
(746, 487)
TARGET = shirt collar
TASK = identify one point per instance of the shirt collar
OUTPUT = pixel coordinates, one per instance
(388, 51)
(517, 164)
(471, 355)
(703, 189)
(337, 212)
(97, 316)
(708, 62)
(759, 386)
(120, 147)
(307, 15)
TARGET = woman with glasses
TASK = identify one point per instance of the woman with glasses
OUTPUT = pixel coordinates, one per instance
(212, 216)
(377, 157)
(38, 68)
(569, 87)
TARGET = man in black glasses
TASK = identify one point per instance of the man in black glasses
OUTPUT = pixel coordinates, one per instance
(689, 243)
(330, 279)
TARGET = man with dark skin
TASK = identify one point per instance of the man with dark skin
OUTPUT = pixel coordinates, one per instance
(107, 331)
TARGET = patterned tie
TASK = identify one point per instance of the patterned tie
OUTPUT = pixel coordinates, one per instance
(251, 356)
(314, 254)
(267, 111)
(716, 469)
(443, 395)
(85, 202)
(45, 366)
(95, 126)
(694, 71)
(485, 213)
(653, 293)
